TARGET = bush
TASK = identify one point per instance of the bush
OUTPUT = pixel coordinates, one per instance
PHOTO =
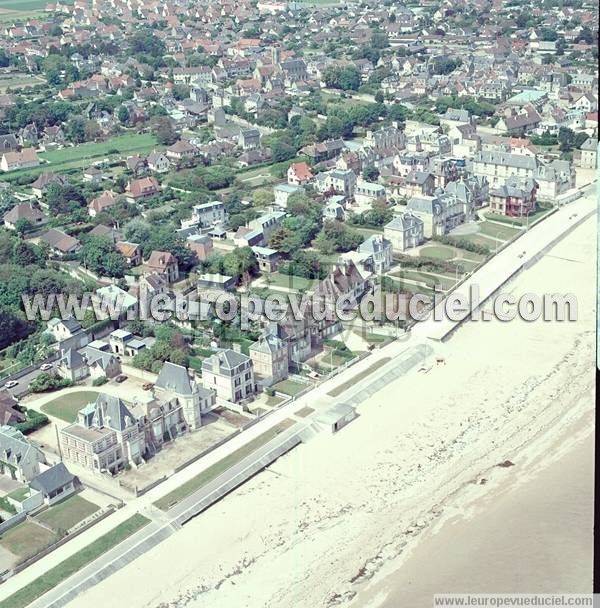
(270, 391)
(464, 244)
(47, 382)
(100, 381)
(35, 420)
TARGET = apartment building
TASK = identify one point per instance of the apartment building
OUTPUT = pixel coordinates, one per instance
(230, 374)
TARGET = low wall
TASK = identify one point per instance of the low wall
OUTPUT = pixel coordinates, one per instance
(13, 521)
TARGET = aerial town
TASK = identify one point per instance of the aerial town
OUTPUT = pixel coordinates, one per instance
(202, 149)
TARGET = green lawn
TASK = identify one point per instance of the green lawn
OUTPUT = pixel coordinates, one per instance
(480, 239)
(445, 282)
(521, 221)
(67, 513)
(76, 562)
(23, 5)
(277, 279)
(195, 483)
(438, 252)
(20, 494)
(26, 540)
(498, 232)
(83, 155)
(289, 387)
(66, 406)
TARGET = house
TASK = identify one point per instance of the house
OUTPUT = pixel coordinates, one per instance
(72, 366)
(132, 252)
(8, 143)
(105, 438)
(174, 384)
(19, 459)
(268, 259)
(269, 356)
(101, 203)
(588, 157)
(518, 122)
(378, 253)
(417, 183)
(141, 188)
(136, 165)
(11, 161)
(299, 174)
(93, 175)
(368, 193)
(404, 231)
(64, 329)
(114, 300)
(101, 364)
(122, 342)
(344, 284)
(44, 180)
(60, 243)
(216, 282)
(200, 244)
(165, 263)
(439, 213)
(206, 215)
(181, 150)
(158, 162)
(282, 193)
(9, 412)
(55, 483)
(516, 198)
(26, 212)
(230, 374)
(337, 181)
(249, 139)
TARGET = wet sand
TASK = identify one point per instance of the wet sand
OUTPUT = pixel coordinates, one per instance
(531, 536)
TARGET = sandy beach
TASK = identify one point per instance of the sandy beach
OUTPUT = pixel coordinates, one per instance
(404, 500)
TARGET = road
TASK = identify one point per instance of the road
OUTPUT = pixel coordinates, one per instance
(404, 355)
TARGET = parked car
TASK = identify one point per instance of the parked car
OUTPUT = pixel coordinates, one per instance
(148, 386)
(121, 378)
(11, 384)
(46, 367)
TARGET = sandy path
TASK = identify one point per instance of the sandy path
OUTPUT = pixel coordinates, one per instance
(312, 529)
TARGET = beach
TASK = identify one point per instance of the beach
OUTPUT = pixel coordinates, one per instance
(402, 502)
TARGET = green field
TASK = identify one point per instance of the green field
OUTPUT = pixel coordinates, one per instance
(73, 564)
(195, 483)
(286, 281)
(66, 406)
(66, 514)
(83, 155)
(497, 231)
(26, 540)
(438, 252)
(430, 280)
(23, 5)
(289, 387)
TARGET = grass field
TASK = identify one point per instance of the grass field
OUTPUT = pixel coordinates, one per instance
(497, 231)
(66, 406)
(72, 564)
(26, 540)
(195, 483)
(23, 5)
(438, 252)
(445, 282)
(289, 281)
(83, 155)
(289, 387)
(65, 514)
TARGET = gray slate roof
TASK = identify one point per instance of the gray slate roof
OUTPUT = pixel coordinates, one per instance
(174, 378)
(52, 479)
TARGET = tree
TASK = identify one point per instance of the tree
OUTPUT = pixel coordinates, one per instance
(370, 173)
(336, 236)
(262, 197)
(63, 198)
(123, 114)
(163, 130)
(75, 129)
(99, 255)
(23, 225)
(379, 97)
(346, 78)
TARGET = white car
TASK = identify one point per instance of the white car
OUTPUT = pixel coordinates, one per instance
(11, 384)
(46, 367)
